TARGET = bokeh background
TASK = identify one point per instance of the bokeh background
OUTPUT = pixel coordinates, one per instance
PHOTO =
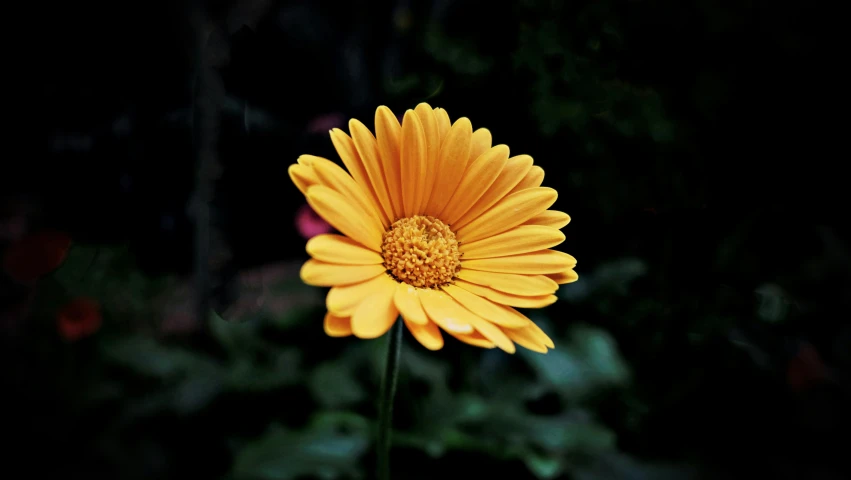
(694, 143)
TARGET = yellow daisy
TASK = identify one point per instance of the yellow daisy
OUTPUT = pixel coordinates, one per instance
(439, 227)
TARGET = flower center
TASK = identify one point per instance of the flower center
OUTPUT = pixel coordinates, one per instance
(421, 251)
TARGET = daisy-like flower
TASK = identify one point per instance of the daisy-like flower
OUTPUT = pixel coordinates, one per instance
(438, 226)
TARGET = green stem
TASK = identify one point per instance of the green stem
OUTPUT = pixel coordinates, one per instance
(385, 407)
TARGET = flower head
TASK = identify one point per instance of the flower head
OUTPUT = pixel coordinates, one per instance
(437, 225)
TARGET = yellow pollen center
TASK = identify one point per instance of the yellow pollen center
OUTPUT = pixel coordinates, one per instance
(421, 251)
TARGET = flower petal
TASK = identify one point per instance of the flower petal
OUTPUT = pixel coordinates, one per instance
(567, 276)
(345, 147)
(540, 262)
(481, 143)
(367, 148)
(376, 314)
(337, 326)
(333, 248)
(431, 130)
(427, 334)
(446, 312)
(302, 176)
(388, 135)
(550, 218)
(414, 159)
(502, 298)
(475, 339)
(524, 338)
(443, 124)
(508, 213)
(342, 301)
(484, 307)
(407, 300)
(451, 164)
(529, 285)
(322, 274)
(332, 176)
(477, 179)
(522, 239)
(345, 217)
(494, 334)
(514, 170)
(534, 178)
(539, 335)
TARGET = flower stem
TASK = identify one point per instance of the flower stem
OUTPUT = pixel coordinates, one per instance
(388, 391)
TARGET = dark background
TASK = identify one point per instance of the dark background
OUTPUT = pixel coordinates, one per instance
(696, 145)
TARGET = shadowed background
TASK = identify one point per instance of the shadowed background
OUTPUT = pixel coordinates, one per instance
(690, 142)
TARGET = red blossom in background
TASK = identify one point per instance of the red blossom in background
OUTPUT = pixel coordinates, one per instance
(309, 224)
(79, 318)
(35, 255)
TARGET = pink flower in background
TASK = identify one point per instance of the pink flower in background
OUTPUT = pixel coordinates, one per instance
(309, 224)
(323, 123)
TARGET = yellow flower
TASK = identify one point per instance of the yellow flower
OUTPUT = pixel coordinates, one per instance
(438, 226)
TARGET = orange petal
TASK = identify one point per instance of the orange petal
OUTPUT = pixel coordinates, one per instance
(522, 239)
(539, 335)
(376, 314)
(345, 217)
(388, 135)
(508, 213)
(534, 178)
(524, 338)
(302, 176)
(333, 248)
(443, 124)
(475, 339)
(446, 312)
(477, 179)
(331, 175)
(414, 159)
(427, 334)
(567, 276)
(481, 143)
(540, 262)
(341, 301)
(514, 170)
(322, 274)
(494, 334)
(367, 148)
(337, 326)
(550, 218)
(484, 307)
(428, 120)
(351, 159)
(407, 300)
(502, 298)
(451, 164)
(528, 285)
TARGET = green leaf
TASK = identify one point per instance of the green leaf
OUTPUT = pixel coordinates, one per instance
(79, 267)
(245, 374)
(330, 447)
(543, 466)
(588, 361)
(148, 357)
(333, 385)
